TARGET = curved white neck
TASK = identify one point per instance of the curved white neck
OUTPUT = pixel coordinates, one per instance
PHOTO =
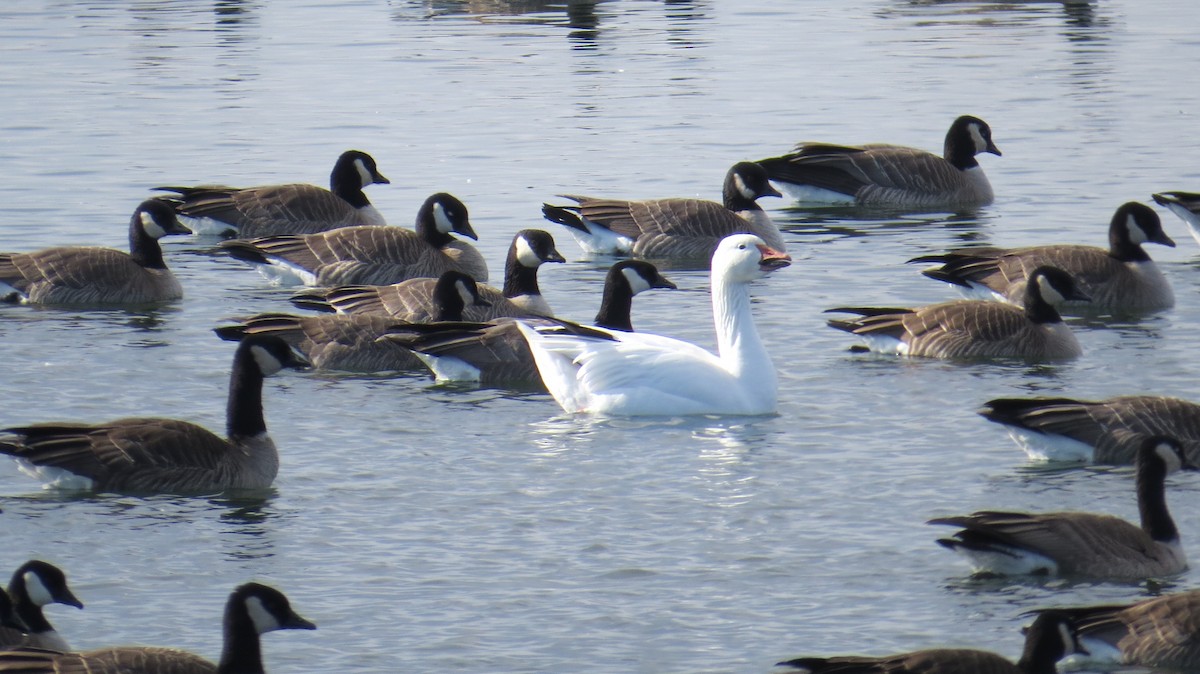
(738, 343)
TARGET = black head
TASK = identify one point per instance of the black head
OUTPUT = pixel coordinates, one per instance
(748, 181)
(1165, 451)
(1050, 638)
(43, 584)
(640, 275)
(973, 133)
(1055, 286)
(270, 353)
(360, 164)
(267, 608)
(446, 214)
(1136, 223)
(157, 218)
(533, 247)
(455, 291)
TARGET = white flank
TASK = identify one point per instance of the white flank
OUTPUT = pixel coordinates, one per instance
(1046, 447)
(55, 478)
(449, 368)
(601, 241)
(1012, 562)
(807, 194)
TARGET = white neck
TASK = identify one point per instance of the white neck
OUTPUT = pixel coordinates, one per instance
(738, 344)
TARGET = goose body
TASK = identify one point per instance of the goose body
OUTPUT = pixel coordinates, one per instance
(252, 610)
(415, 300)
(975, 328)
(296, 208)
(1186, 205)
(1080, 543)
(93, 275)
(610, 372)
(13, 630)
(672, 228)
(1048, 640)
(354, 342)
(496, 352)
(890, 175)
(1159, 632)
(33, 585)
(1121, 278)
(1096, 431)
(370, 255)
(164, 455)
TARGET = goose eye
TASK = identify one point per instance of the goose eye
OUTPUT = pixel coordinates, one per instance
(742, 247)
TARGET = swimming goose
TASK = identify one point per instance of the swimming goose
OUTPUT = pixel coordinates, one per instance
(1123, 277)
(1080, 543)
(370, 255)
(890, 175)
(496, 352)
(975, 328)
(672, 228)
(252, 610)
(610, 372)
(164, 455)
(415, 299)
(33, 585)
(1158, 632)
(352, 342)
(1099, 431)
(270, 210)
(1184, 204)
(93, 275)
(1048, 640)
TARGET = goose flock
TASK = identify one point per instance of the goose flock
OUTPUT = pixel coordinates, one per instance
(381, 298)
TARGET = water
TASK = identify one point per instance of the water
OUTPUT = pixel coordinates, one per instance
(429, 528)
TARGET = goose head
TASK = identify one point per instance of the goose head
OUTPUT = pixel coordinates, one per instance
(360, 165)
(746, 181)
(1055, 286)
(455, 291)
(1050, 638)
(1164, 451)
(156, 218)
(1136, 223)
(266, 609)
(445, 214)
(745, 257)
(42, 583)
(271, 354)
(639, 275)
(533, 247)
(970, 133)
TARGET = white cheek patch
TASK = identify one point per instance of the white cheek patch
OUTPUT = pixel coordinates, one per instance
(364, 174)
(1169, 456)
(1049, 292)
(1136, 233)
(637, 283)
(39, 594)
(981, 143)
(264, 620)
(526, 255)
(742, 188)
(268, 363)
(441, 220)
(150, 227)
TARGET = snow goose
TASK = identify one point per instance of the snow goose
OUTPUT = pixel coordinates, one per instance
(1080, 543)
(609, 372)
(672, 228)
(352, 342)
(496, 353)
(1158, 632)
(92, 275)
(975, 328)
(269, 210)
(415, 299)
(1184, 204)
(879, 174)
(1099, 431)
(370, 255)
(33, 585)
(1048, 640)
(1121, 278)
(251, 610)
(164, 455)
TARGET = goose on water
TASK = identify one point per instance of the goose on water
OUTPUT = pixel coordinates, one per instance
(144, 454)
(34, 585)
(1186, 205)
(297, 208)
(1082, 544)
(370, 255)
(1119, 278)
(880, 174)
(672, 228)
(252, 609)
(975, 328)
(93, 275)
(610, 372)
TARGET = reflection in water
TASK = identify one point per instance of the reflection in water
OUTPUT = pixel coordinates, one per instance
(835, 222)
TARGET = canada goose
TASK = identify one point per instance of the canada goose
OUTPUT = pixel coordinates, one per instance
(270, 210)
(1100, 431)
(496, 352)
(1048, 640)
(1080, 543)
(371, 255)
(610, 372)
(879, 174)
(13, 630)
(1123, 277)
(1158, 632)
(164, 455)
(351, 342)
(1184, 204)
(975, 328)
(672, 228)
(252, 609)
(33, 585)
(415, 299)
(93, 275)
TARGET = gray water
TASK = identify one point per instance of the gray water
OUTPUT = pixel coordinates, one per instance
(430, 528)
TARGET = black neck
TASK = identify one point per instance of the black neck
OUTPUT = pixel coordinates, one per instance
(29, 612)
(616, 305)
(347, 184)
(427, 227)
(244, 413)
(1038, 309)
(1152, 499)
(143, 248)
(242, 652)
(1121, 248)
(733, 198)
(519, 279)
